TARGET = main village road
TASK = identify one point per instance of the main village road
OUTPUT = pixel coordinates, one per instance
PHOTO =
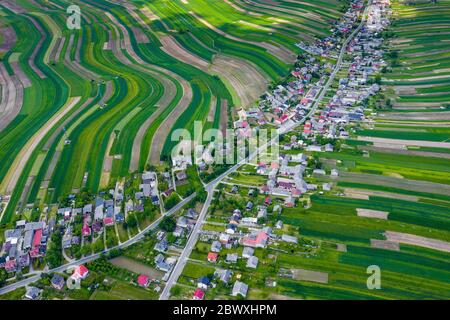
(210, 187)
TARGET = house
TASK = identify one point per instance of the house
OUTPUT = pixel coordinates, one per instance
(334, 173)
(33, 293)
(11, 265)
(161, 246)
(216, 246)
(191, 214)
(239, 288)
(319, 171)
(247, 252)
(224, 238)
(182, 222)
(108, 221)
(203, 283)
(57, 282)
(212, 257)
(86, 230)
(252, 262)
(143, 281)
(249, 206)
(198, 294)
(279, 224)
(232, 258)
(159, 258)
(163, 266)
(262, 212)
(80, 273)
(178, 232)
(289, 239)
(326, 187)
(181, 176)
(225, 276)
(155, 200)
(256, 240)
(231, 228)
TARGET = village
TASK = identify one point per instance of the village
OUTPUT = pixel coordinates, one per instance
(231, 235)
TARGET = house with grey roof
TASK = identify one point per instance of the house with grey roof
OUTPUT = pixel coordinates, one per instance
(247, 252)
(239, 288)
(252, 262)
(231, 258)
(216, 246)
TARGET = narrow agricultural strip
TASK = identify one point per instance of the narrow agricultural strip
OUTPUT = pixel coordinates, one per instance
(9, 182)
(281, 53)
(417, 241)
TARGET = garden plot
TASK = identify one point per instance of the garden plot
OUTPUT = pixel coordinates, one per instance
(384, 244)
(368, 213)
(417, 241)
(137, 267)
(308, 275)
(417, 143)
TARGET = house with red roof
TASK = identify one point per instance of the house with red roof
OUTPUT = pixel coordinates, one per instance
(37, 238)
(11, 265)
(212, 257)
(143, 281)
(108, 221)
(256, 240)
(86, 231)
(198, 294)
(80, 273)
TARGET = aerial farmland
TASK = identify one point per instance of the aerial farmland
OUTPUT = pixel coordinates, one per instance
(226, 149)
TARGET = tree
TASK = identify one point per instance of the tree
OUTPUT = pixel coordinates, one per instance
(3, 277)
(131, 221)
(168, 224)
(171, 201)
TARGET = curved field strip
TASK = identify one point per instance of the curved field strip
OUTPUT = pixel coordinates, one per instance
(151, 89)
(423, 58)
(242, 77)
(9, 182)
(11, 97)
(281, 53)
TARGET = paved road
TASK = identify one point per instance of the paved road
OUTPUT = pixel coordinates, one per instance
(92, 257)
(212, 185)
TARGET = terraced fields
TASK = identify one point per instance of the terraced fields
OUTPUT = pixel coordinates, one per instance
(420, 76)
(80, 108)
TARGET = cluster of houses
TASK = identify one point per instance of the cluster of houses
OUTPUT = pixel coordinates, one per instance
(58, 282)
(184, 225)
(327, 47)
(292, 101)
(348, 102)
(27, 241)
(107, 209)
(231, 238)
